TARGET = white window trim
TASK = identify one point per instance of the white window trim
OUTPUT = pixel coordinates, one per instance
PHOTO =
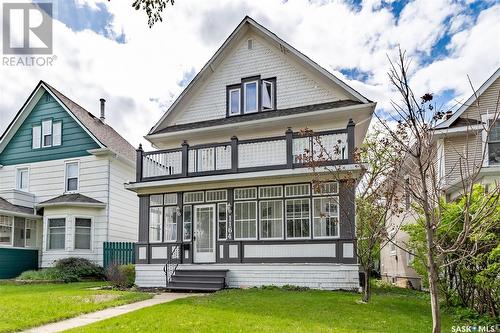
(45, 238)
(185, 202)
(66, 174)
(441, 161)
(257, 88)
(184, 222)
(272, 186)
(164, 224)
(91, 218)
(246, 199)
(337, 216)
(309, 217)
(18, 180)
(319, 194)
(226, 221)
(298, 196)
(271, 99)
(53, 133)
(39, 143)
(11, 244)
(221, 200)
(239, 102)
(43, 134)
(282, 221)
(485, 118)
(162, 236)
(392, 239)
(256, 221)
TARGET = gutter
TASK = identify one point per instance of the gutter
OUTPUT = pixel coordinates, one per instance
(72, 204)
(26, 215)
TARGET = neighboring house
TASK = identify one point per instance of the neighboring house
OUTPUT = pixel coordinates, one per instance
(227, 190)
(62, 172)
(460, 137)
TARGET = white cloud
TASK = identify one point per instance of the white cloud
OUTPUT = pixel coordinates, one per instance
(140, 78)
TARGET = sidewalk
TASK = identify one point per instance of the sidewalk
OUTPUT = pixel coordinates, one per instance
(93, 317)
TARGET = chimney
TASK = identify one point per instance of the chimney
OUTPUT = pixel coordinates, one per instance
(103, 101)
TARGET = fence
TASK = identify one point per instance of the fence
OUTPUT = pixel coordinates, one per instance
(120, 253)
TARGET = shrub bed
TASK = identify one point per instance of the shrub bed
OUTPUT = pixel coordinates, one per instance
(65, 270)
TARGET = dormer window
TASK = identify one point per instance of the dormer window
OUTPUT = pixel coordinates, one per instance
(251, 96)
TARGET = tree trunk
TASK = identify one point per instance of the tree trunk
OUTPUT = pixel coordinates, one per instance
(433, 283)
(367, 291)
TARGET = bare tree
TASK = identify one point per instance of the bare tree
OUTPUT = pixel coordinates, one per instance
(415, 138)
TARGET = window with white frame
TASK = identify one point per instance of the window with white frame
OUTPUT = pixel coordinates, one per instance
(245, 220)
(494, 144)
(216, 195)
(250, 97)
(22, 179)
(297, 190)
(47, 133)
(245, 193)
(6, 227)
(267, 192)
(409, 259)
(392, 242)
(36, 137)
(56, 133)
(234, 101)
(31, 233)
(83, 233)
(72, 173)
(271, 219)
(170, 199)
(325, 217)
(187, 213)
(155, 218)
(193, 197)
(267, 95)
(56, 235)
(326, 188)
(170, 218)
(297, 218)
(222, 220)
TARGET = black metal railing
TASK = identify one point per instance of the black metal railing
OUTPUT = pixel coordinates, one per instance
(170, 266)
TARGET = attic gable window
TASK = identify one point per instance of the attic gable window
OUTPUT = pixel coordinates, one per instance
(251, 96)
(47, 134)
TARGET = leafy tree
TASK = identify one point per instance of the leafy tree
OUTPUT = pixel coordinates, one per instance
(153, 8)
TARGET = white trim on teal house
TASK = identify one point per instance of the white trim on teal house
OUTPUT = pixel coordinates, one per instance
(92, 190)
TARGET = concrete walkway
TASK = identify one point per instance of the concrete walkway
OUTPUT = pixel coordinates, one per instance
(93, 317)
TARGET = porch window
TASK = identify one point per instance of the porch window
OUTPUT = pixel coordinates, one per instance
(188, 222)
(193, 197)
(56, 237)
(297, 218)
(222, 220)
(271, 219)
(245, 220)
(245, 193)
(326, 188)
(72, 177)
(216, 195)
(155, 227)
(326, 217)
(31, 233)
(22, 179)
(170, 224)
(267, 192)
(297, 190)
(494, 144)
(6, 224)
(83, 229)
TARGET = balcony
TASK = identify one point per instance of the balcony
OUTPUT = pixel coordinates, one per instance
(235, 156)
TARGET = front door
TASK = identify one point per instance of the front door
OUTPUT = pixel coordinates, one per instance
(204, 233)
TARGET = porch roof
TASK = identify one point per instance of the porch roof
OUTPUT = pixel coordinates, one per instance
(72, 199)
(15, 210)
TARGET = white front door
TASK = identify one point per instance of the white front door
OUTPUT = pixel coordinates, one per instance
(204, 233)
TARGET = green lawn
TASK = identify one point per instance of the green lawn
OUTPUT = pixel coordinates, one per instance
(24, 306)
(277, 310)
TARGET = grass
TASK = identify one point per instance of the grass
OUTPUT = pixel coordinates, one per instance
(278, 310)
(25, 306)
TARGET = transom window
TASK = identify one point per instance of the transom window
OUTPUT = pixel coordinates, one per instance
(245, 193)
(252, 95)
(494, 144)
(326, 188)
(72, 173)
(193, 197)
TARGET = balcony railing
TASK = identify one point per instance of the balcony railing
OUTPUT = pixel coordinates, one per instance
(282, 152)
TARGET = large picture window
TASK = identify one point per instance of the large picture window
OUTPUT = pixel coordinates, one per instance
(56, 237)
(271, 219)
(83, 228)
(297, 218)
(245, 220)
(326, 217)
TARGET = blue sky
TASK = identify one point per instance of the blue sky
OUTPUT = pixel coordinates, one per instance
(105, 49)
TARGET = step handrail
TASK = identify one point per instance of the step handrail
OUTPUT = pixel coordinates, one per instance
(170, 268)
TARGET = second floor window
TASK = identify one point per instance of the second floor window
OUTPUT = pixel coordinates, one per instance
(494, 144)
(22, 179)
(252, 95)
(71, 177)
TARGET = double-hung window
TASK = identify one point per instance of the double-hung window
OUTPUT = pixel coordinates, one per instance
(47, 134)
(326, 217)
(22, 179)
(72, 174)
(494, 144)
(83, 228)
(56, 237)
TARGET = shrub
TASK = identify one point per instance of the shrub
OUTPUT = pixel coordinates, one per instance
(81, 268)
(121, 276)
(46, 274)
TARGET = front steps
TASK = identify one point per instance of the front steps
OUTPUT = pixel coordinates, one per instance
(198, 280)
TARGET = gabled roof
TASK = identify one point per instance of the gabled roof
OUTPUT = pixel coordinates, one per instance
(103, 134)
(7, 207)
(73, 199)
(451, 121)
(241, 29)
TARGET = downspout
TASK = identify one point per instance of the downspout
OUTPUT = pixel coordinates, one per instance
(108, 204)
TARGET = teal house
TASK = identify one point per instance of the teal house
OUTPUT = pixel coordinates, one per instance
(62, 171)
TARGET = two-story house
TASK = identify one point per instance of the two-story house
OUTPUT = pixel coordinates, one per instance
(62, 171)
(463, 146)
(227, 194)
